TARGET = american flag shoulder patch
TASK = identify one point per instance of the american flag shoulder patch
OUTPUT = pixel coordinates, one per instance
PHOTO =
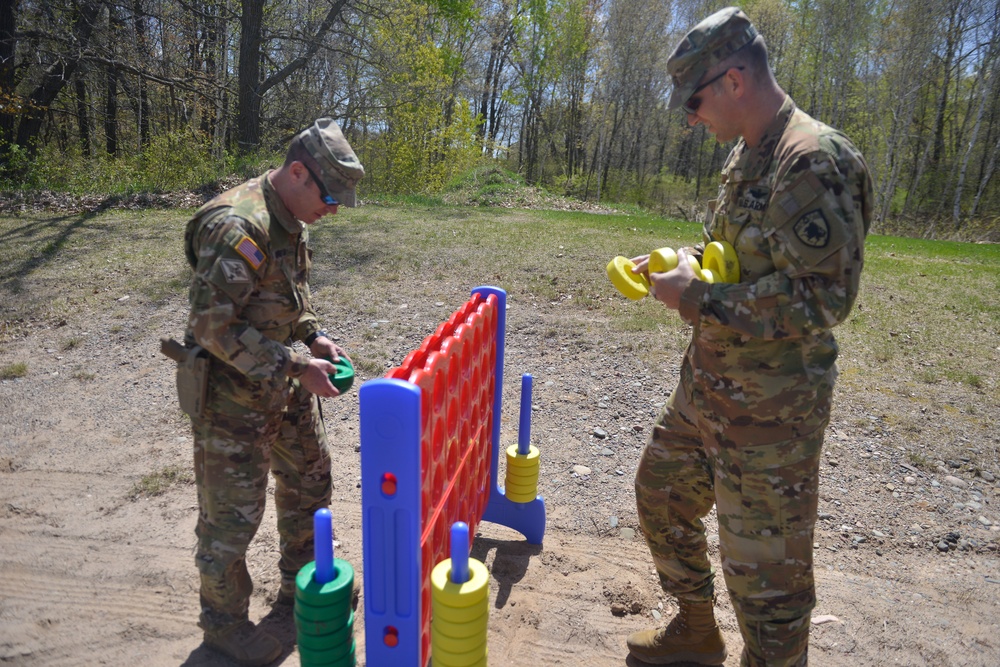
(250, 252)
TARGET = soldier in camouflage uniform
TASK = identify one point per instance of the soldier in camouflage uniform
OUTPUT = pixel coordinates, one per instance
(744, 427)
(249, 300)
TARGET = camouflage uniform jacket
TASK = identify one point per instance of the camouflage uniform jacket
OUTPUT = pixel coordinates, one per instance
(249, 294)
(796, 208)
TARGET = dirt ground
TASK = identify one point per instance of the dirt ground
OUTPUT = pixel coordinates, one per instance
(94, 573)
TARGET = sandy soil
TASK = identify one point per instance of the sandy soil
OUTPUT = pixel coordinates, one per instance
(92, 574)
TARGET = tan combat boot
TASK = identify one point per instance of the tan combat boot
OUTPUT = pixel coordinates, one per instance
(246, 644)
(691, 636)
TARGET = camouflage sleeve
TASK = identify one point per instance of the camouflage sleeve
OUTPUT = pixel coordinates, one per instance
(815, 224)
(308, 322)
(226, 274)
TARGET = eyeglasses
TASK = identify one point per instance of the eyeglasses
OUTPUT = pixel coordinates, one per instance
(692, 104)
(324, 194)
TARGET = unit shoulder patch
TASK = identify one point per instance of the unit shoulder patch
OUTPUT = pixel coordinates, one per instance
(813, 229)
(234, 271)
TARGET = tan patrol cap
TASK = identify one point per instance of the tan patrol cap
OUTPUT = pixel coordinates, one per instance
(710, 42)
(339, 167)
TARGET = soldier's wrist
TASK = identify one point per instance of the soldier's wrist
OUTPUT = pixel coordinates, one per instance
(311, 338)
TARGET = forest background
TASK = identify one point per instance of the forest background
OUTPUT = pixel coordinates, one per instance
(125, 96)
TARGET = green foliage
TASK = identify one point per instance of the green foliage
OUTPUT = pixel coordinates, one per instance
(483, 185)
(429, 134)
(18, 169)
(170, 162)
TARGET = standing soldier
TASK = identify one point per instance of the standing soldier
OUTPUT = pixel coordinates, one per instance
(252, 398)
(744, 427)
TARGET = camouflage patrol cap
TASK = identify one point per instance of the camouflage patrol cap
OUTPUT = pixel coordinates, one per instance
(339, 167)
(710, 42)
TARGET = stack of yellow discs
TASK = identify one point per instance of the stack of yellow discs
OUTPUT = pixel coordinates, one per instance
(459, 616)
(521, 483)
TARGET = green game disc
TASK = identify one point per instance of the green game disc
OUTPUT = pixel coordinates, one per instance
(336, 616)
(337, 644)
(332, 593)
(341, 656)
(317, 628)
(343, 377)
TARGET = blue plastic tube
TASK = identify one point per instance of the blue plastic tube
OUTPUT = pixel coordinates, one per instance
(459, 552)
(323, 547)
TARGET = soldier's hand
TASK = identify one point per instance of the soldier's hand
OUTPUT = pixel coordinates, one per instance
(324, 348)
(641, 263)
(316, 379)
(667, 287)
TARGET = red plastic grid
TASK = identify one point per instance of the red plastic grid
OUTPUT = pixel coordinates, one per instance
(455, 368)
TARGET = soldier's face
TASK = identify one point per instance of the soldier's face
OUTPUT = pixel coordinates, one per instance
(311, 201)
(713, 109)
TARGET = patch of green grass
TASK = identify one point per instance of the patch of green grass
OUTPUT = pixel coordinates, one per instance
(71, 343)
(158, 482)
(12, 371)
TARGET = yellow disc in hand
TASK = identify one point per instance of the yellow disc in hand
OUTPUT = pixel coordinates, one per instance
(633, 285)
(662, 260)
(720, 257)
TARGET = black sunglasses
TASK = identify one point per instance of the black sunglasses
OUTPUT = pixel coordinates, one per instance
(324, 194)
(692, 104)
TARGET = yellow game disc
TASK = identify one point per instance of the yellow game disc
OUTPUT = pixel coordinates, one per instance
(720, 257)
(662, 260)
(520, 489)
(456, 622)
(456, 644)
(522, 476)
(442, 655)
(518, 498)
(459, 621)
(634, 286)
(445, 592)
(520, 461)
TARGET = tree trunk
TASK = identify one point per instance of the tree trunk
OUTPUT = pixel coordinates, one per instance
(248, 123)
(8, 81)
(111, 112)
(82, 115)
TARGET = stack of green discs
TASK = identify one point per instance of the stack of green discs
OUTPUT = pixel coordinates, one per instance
(324, 619)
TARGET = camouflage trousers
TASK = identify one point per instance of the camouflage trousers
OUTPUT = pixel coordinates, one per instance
(763, 479)
(234, 449)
